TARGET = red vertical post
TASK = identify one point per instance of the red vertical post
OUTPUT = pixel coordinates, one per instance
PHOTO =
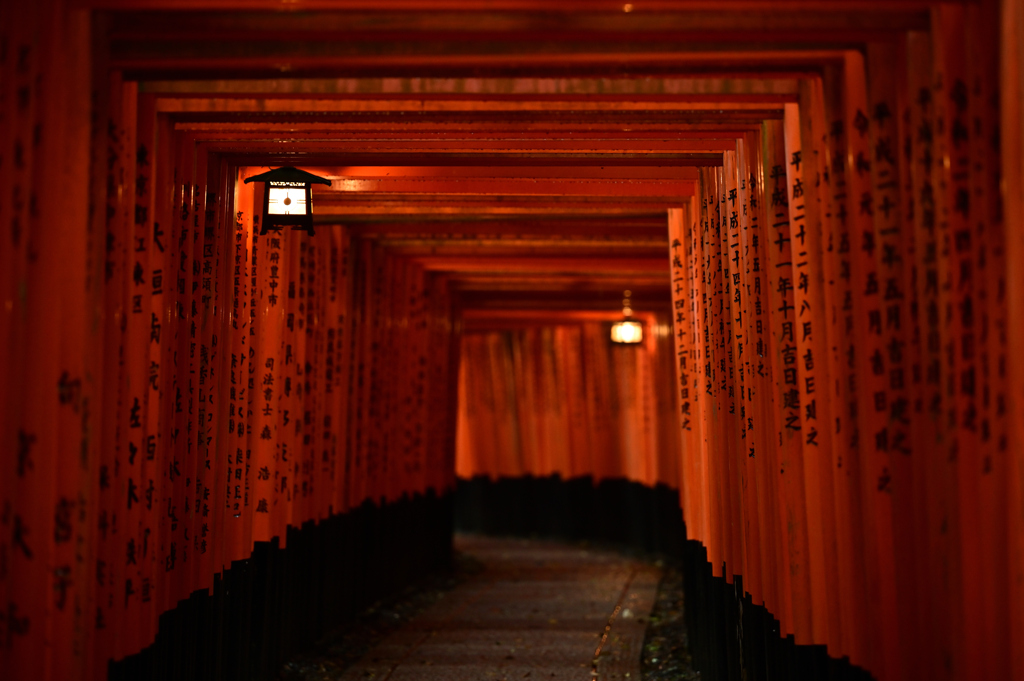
(1011, 99)
(271, 269)
(805, 214)
(950, 99)
(871, 414)
(840, 318)
(759, 370)
(729, 383)
(690, 483)
(893, 239)
(796, 616)
(991, 279)
(718, 546)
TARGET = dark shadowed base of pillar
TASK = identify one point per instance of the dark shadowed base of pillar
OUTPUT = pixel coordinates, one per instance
(276, 603)
(613, 511)
(730, 638)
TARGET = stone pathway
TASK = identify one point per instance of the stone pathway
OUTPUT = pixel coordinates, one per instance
(538, 610)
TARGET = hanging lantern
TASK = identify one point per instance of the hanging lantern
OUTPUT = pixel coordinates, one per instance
(287, 199)
(627, 331)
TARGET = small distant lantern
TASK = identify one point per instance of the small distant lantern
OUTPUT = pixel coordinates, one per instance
(287, 199)
(627, 331)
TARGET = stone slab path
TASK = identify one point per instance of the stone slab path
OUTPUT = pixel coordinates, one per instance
(538, 610)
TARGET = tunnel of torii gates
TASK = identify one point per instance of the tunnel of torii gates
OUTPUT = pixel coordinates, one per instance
(216, 443)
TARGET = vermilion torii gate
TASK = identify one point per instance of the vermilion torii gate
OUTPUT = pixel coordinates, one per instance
(823, 199)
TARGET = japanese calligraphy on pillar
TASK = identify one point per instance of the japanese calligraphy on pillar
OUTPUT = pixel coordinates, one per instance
(785, 358)
(267, 383)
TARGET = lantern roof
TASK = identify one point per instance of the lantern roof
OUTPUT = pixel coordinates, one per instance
(288, 174)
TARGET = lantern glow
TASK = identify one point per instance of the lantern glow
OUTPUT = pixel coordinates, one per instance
(627, 332)
(287, 198)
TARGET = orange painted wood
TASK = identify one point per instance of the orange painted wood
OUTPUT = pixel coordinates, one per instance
(758, 374)
(948, 73)
(797, 615)
(893, 238)
(508, 410)
(8, 286)
(808, 299)
(958, 107)
(716, 540)
(238, 526)
(737, 198)
(927, 374)
(179, 400)
(17, 436)
(294, 492)
(870, 422)
(897, 544)
(990, 270)
(271, 372)
(730, 383)
(1011, 102)
(697, 217)
(120, 203)
(733, 223)
(346, 334)
(142, 452)
(331, 463)
(690, 483)
(842, 374)
(206, 213)
(364, 323)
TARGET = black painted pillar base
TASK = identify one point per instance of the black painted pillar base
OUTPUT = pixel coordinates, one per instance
(732, 639)
(267, 608)
(616, 511)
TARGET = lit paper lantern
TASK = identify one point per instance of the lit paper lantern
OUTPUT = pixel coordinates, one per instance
(627, 331)
(287, 198)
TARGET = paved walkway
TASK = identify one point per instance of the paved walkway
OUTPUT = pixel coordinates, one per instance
(539, 610)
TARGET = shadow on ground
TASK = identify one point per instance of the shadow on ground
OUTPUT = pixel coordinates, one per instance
(664, 658)
(333, 654)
